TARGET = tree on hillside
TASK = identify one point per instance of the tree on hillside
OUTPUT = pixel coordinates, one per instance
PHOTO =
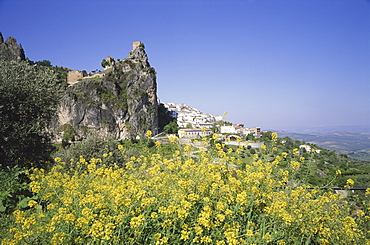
(29, 100)
(172, 127)
(46, 63)
(104, 63)
(250, 137)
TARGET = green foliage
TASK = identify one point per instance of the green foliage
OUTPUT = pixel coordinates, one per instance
(14, 194)
(46, 63)
(6, 221)
(104, 63)
(93, 146)
(103, 91)
(13, 189)
(60, 72)
(68, 132)
(172, 127)
(29, 100)
(224, 123)
(250, 137)
(319, 166)
(96, 146)
(266, 137)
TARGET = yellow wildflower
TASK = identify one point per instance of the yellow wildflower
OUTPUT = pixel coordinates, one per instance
(349, 183)
(157, 236)
(137, 221)
(32, 203)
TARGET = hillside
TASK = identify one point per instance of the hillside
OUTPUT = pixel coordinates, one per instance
(354, 144)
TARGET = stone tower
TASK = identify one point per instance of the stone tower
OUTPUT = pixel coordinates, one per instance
(135, 44)
(73, 76)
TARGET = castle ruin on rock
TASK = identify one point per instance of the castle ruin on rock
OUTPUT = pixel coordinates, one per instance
(121, 101)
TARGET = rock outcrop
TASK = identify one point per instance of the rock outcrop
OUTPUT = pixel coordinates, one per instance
(10, 50)
(122, 102)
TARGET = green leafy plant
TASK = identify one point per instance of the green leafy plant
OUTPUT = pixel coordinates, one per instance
(14, 191)
(29, 99)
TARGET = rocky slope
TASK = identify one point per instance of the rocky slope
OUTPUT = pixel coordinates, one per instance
(10, 50)
(121, 102)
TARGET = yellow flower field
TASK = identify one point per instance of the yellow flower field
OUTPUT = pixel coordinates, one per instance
(180, 200)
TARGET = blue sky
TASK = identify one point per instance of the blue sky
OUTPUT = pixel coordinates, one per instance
(276, 64)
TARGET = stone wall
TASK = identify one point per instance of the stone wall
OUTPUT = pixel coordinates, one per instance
(73, 76)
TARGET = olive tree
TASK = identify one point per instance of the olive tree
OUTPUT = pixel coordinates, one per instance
(29, 100)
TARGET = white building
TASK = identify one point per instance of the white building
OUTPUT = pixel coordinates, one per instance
(187, 115)
(240, 130)
(193, 133)
(228, 129)
(308, 148)
(205, 125)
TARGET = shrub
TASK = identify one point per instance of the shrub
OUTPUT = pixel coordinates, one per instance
(93, 146)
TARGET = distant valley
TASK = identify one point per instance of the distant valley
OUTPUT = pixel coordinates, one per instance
(354, 143)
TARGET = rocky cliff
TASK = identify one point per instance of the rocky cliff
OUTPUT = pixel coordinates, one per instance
(121, 101)
(10, 50)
